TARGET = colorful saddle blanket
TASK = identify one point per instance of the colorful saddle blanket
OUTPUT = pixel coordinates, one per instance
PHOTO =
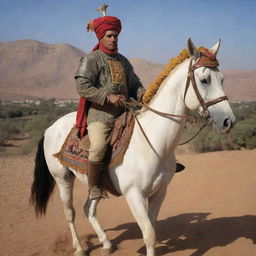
(74, 151)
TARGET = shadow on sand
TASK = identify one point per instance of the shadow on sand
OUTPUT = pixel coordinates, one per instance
(189, 231)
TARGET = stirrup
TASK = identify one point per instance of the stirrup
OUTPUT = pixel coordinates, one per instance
(95, 193)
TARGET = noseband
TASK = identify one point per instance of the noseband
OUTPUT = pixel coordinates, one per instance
(206, 60)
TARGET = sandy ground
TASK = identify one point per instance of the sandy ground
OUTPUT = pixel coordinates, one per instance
(210, 210)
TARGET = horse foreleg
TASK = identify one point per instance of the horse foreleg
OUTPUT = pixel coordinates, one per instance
(90, 209)
(155, 202)
(66, 185)
(138, 206)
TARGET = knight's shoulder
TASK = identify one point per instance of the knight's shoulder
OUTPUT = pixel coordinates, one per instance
(90, 56)
(90, 59)
(94, 54)
(122, 57)
(125, 61)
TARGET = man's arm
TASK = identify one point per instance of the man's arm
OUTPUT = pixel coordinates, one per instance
(86, 80)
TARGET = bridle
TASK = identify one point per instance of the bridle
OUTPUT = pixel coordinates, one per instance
(206, 60)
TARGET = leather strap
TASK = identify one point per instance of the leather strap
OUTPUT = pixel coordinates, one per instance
(188, 81)
(212, 102)
(167, 115)
(180, 144)
(146, 137)
(206, 60)
(199, 97)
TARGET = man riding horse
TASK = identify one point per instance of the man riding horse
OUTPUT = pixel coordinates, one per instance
(105, 79)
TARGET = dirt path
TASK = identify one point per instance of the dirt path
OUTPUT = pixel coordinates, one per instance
(210, 210)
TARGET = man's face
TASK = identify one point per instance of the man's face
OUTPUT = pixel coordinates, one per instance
(110, 40)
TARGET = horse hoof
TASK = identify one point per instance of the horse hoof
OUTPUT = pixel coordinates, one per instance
(80, 253)
(105, 251)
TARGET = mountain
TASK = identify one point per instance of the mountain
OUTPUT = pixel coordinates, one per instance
(31, 69)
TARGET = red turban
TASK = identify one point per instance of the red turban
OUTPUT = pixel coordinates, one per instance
(103, 24)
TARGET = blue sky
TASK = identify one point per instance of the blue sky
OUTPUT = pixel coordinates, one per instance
(152, 30)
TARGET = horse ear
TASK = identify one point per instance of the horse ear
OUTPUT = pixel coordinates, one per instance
(192, 50)
(215, 48)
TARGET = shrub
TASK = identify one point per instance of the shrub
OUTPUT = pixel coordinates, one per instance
(12, 123)
(16, 113)
(46, 107)
(4, 135)
(244, 134)
(8, 129)
(206, 141)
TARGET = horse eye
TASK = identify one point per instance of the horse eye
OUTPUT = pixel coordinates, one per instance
(204, 81)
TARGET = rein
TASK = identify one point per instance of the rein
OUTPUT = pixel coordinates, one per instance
(167, 114)
(134, 105)
(207, 60)
(146, 137)
(163, 114)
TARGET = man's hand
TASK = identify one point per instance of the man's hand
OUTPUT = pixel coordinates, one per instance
(117, 100)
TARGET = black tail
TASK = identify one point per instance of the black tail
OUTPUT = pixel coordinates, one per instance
(43, 184)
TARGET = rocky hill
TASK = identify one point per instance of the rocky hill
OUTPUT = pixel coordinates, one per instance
(30, 68)
(33, 69)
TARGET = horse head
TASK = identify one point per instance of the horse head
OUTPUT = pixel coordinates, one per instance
(204, 88)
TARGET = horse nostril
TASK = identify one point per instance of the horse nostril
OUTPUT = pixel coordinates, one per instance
(227, 123)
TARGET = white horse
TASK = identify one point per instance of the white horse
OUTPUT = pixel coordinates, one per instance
(147, 169)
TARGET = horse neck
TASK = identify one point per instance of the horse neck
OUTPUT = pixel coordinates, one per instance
(164, 133)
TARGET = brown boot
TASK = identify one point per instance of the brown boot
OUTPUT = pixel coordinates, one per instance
(94, 173)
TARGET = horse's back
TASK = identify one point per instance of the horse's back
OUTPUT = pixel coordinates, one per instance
(56, 134)
(61, 126)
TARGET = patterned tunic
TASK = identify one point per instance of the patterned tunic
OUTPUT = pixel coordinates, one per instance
(100, 74)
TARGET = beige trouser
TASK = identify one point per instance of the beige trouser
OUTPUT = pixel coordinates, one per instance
(98, 133)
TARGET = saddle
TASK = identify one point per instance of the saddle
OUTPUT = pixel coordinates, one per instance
(74, 151)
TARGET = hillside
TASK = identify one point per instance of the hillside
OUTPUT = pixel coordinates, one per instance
(30, 68)
(33, 69)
